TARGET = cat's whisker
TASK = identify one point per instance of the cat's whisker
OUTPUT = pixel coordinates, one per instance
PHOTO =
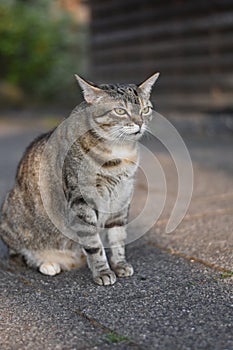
(118, 135)
(147, 132)
(115, 134)
(122, 137)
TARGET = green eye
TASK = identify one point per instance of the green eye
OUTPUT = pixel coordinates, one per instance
(146, 110)
(120, 111)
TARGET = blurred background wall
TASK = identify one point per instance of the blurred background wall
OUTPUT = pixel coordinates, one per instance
(189, 42)
(44, 42)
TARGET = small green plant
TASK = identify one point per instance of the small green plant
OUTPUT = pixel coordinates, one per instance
(116, 338)
(227, 274)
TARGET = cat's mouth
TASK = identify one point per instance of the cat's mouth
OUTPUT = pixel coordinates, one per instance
(136, 134)
(139, 132)
(136, 131)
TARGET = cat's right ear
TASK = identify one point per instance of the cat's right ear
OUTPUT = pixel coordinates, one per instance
(91, 93)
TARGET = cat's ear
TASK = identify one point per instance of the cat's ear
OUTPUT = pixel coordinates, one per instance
(91, 93)
(146, 86)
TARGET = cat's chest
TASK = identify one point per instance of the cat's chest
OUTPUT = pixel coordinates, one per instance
(122, 159)
(120, 166)
(114, 181)
(112, 185)
(113, 194)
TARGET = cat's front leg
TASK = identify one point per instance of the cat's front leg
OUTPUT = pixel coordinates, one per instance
(84, 221)
(97, 260)
(116, 238)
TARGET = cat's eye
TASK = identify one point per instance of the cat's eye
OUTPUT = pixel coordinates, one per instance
(120, 111)
(146, 110)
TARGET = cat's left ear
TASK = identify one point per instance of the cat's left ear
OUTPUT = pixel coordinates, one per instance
(146, 86)
(91, 93)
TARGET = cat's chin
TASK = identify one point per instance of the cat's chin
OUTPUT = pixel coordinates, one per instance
(136, 135)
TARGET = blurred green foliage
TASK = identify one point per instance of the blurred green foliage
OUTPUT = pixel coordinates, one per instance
(40, 49)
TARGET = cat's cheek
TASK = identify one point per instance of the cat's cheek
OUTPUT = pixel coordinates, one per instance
(149, 118)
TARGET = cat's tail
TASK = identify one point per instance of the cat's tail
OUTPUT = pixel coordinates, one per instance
(4, 251)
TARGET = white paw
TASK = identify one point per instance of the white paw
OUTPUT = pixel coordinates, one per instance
(123, 269)
(50, 269)
(105, 278)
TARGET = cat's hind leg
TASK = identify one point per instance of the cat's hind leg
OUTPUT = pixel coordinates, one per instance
(49, 268)
(52, 261)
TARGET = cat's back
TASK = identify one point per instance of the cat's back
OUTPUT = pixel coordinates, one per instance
(22, 208)
(29, 165)
(25, 192)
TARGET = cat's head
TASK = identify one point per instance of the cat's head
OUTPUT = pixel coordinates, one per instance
(121, 111)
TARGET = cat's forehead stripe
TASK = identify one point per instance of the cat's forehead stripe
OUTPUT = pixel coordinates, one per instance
(128, 93)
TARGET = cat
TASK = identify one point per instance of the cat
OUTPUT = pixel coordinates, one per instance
(112, 140)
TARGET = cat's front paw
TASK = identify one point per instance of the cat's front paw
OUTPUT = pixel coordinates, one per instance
(123, 269)
(105, 278)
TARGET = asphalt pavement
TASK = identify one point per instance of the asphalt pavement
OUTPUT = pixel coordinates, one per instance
(180, 296)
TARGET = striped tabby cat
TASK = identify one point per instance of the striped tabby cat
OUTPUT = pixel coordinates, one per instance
(111, 140)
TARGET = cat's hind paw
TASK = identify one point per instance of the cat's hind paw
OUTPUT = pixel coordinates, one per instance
(123, 269)
(105, 278)
(50, 269)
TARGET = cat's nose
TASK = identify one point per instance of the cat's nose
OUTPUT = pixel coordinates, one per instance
(139, 128)
(139, 123)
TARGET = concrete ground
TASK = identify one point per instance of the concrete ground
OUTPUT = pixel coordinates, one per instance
(180, 296)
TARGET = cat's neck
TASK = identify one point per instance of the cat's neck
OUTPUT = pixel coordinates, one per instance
(125, 150)
(115, 149)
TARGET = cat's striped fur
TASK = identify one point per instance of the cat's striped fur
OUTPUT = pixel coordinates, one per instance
(98, 180)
